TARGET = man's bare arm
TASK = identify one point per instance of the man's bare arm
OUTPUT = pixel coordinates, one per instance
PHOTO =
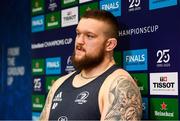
(45, 112)
(124, 100)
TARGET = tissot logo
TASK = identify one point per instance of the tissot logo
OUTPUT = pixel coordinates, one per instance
(38, 23)
(114, 6)
(156, 4)
(69, 16)
(135, 60)
(164, 83)
(163, 78)
(163, 58)
(53, 65)
(82, 97)
(134, 5)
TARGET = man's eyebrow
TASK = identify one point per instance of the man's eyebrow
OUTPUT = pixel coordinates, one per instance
(86, 32)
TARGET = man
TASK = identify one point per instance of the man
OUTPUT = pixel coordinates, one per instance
(99, 90)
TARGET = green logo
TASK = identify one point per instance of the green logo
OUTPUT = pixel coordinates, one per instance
(37, 6)
(142, 82)
(67, 3)
(49, 82)
(38, 102)
(53, 20)
(164, 109)
(37, 66)
(118, 58)
(86, 7)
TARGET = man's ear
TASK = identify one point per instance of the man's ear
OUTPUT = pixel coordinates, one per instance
(111, 44)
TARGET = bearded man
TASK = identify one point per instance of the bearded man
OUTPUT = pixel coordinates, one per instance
(98, 90)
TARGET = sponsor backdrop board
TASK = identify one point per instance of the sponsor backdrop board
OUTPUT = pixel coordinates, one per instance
(148, 48)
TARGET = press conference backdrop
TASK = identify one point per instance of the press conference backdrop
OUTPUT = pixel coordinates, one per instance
(148, 48)
(15, 60)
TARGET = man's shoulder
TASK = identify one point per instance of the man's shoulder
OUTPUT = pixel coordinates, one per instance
(64, 77)
(120, 72)
(60, 80)
(118, 75)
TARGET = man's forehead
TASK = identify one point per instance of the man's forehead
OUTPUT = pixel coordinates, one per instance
(91, 19)
(91, 24)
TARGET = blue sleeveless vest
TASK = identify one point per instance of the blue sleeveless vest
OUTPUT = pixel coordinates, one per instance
(71, 103)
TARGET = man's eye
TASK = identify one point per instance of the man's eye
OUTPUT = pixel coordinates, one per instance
(77, 34)
(90, 36)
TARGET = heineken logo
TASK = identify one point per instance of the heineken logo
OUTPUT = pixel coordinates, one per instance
(37, 6)
(163, 111)
(165, 114)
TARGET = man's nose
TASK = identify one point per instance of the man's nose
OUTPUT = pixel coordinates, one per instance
(80, 39)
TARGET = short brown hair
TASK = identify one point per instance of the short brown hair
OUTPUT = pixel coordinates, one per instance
(107, 17)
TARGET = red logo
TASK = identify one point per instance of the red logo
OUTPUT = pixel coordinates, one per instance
(163, 106)
(163, 78)
(37, 65)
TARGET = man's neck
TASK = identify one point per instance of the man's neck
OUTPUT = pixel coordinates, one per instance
(98, 70)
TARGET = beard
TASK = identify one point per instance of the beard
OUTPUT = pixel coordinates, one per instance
(89, 61)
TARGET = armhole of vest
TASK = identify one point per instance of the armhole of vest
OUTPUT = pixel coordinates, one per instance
(115, 68)
(56, 86)
(59, 82)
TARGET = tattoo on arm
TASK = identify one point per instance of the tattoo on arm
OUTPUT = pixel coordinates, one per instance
(125, 100)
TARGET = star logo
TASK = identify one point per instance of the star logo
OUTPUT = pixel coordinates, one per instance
(37, 65)
(88, 9)
(52, 18)
(163, 106)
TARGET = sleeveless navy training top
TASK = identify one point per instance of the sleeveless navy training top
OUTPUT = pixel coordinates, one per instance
(71, 103)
